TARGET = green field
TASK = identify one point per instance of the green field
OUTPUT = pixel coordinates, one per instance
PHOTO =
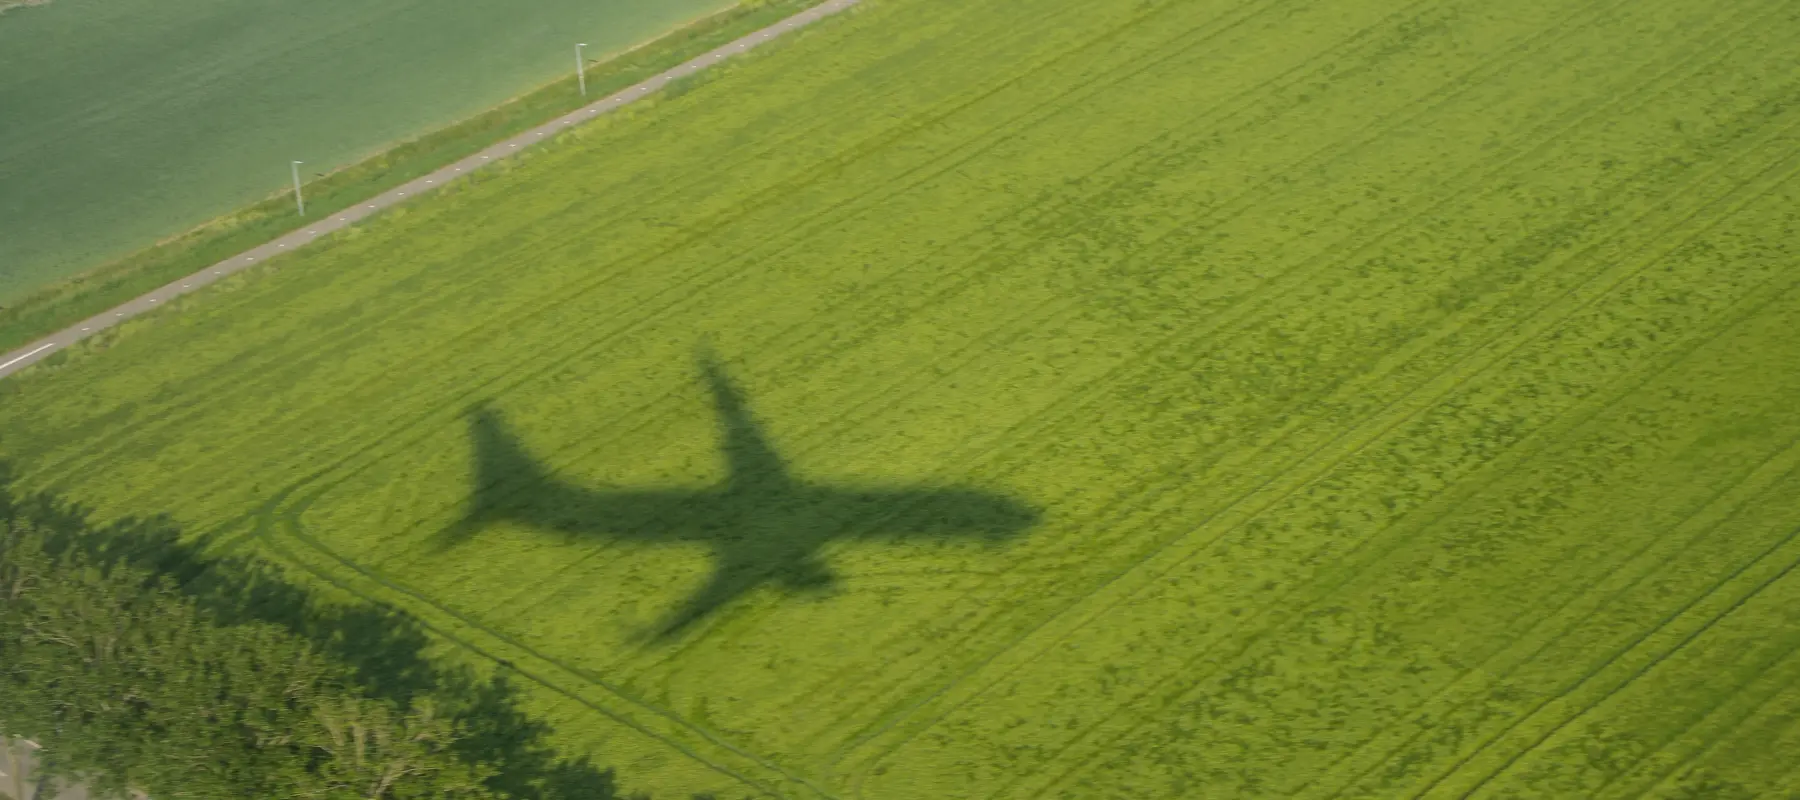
(1405, 393)
(126, 121)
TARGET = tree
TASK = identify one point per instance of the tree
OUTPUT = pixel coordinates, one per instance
(253, 658)
(375, 755)
(127, 682)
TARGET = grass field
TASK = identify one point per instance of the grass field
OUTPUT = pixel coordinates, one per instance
(126, 121)
(1404, 394)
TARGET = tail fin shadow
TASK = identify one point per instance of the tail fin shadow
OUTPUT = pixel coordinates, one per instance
(751, 462)
(498, 462)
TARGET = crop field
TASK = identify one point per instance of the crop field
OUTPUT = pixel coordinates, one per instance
(1063, 399)
(126, 121)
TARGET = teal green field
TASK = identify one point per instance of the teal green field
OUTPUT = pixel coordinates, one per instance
(126, 121)
(1286, 399)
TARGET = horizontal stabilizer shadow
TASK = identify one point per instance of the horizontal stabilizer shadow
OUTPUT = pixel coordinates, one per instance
(762, 524)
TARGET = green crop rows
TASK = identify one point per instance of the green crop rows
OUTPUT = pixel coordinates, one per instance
(1407, 390)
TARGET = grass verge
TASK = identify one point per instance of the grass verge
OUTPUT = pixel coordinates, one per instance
(66, 302)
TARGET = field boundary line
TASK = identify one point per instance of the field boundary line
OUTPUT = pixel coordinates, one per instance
(48, 346)
(444, 628)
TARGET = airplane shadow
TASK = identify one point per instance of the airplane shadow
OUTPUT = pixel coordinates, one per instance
(762, 524)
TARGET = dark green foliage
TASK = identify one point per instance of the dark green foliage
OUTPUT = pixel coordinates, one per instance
(129, 683)
(139, 663)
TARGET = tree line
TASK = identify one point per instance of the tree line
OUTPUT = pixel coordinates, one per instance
(138, 662)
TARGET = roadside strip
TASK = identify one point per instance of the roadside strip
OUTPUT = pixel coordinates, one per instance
(48, 346)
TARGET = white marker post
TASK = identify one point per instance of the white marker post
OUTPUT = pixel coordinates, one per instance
(581, 69)
(298, 200)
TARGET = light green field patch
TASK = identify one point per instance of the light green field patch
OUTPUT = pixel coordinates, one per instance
(128, 121)
(7, 5)
(1406, 391)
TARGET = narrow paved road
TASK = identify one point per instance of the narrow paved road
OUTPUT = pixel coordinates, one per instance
(18, 775)
(43, 348)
